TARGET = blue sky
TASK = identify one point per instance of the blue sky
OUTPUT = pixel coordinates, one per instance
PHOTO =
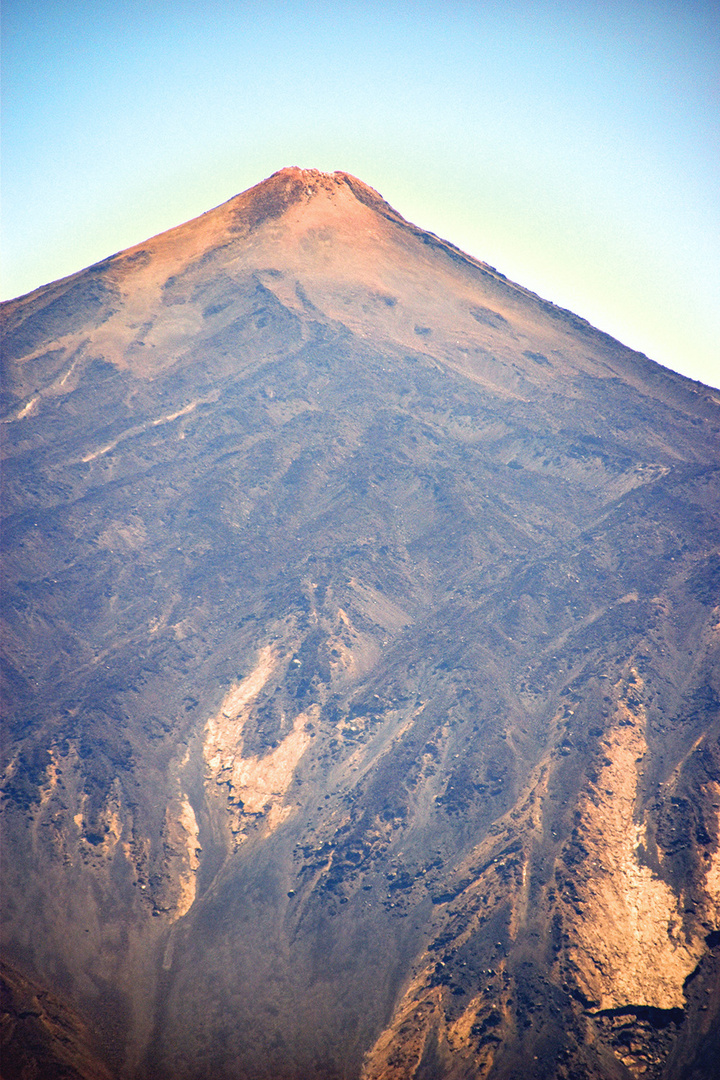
(574, 146)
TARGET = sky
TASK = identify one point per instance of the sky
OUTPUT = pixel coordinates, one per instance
(575, 145)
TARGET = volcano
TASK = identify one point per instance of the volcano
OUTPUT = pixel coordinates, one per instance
(361, 660)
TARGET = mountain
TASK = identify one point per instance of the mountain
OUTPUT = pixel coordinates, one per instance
(360, 657)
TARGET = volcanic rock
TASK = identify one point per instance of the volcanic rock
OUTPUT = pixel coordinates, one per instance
(361, 646)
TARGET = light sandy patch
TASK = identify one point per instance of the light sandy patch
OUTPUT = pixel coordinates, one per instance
(712, 885)
(255, 785)
(628, 946)
(223, 732)
(174, 415)
(260, 783)
(26, 409)
(712, 874)
(182, 837)
(138, 430)
(68, 373)
(99, 453)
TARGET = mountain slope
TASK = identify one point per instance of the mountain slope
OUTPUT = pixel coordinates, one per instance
(361, 653)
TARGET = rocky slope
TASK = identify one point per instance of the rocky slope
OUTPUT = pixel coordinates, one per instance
(361, 638)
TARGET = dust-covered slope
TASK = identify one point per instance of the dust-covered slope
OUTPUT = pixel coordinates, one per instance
(361, 641)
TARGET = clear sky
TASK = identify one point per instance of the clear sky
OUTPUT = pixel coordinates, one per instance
(573, 145)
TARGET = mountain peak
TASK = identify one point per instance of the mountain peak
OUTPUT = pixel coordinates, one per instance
(315, 180)
(292, 185)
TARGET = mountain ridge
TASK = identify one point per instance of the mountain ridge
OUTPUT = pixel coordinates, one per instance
(207, 237)
(268, 198)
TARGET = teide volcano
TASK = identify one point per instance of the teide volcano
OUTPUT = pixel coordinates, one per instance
(362, 652)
